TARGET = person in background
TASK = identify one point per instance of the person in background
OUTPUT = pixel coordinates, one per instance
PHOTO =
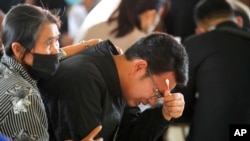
(179, 19)
(247, 2)
(90, 90)
(217, 95)
(103, 16)
(76, 15)
(241, 10)
(223, 13)
(126, 24)
(31, 52)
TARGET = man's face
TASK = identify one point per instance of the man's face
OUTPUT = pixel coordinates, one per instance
(47, 42)
(142, 89)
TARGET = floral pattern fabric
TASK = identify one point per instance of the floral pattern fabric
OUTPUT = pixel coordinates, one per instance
(22, 112)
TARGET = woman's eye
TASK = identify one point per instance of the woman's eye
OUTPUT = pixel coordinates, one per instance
(58, 38)
(49, 42)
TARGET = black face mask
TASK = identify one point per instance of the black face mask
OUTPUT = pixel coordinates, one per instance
(44, 66)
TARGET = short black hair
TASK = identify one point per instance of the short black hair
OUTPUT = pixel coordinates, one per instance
(209, 9)
(162, 53)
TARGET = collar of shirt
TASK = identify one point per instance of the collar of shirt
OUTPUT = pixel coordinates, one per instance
(16, 67)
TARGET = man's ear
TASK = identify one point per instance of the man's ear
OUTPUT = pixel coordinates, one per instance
(139, 66)
(239, 21)
(18, 50)
(199, 30)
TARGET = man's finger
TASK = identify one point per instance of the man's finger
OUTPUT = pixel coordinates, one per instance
(100, 139)
(94, 132)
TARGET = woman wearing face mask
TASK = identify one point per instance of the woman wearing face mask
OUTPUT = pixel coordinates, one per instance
(31, 52)
(131, 20)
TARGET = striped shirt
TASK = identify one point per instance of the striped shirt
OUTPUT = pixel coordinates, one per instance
(22, 112)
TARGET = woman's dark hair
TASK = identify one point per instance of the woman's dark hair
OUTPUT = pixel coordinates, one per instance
(128, 14)
(163, 54)
(23, 23)
(49, 4)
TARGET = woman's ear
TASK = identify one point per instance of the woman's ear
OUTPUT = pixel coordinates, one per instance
(18, 50)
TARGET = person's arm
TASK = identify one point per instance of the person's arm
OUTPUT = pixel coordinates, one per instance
(152, 123)
(79, 100)
(71, 50)
(146, 126)
(92, 134)
(27, 118)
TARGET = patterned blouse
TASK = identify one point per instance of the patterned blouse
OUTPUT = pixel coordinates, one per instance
(22, 112)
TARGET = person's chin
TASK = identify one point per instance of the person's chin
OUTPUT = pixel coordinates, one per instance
(134, 103)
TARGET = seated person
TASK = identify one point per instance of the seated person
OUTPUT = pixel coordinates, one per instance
(90, 89)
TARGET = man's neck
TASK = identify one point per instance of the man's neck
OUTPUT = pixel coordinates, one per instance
(211, 24)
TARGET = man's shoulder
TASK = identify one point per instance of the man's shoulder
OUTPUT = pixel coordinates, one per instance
(196, 40)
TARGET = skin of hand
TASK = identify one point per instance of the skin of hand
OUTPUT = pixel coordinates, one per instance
(92, 134)
(92, 42)
(173, 105)
(75, 48)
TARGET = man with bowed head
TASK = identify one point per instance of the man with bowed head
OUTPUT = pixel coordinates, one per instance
(90, 89)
